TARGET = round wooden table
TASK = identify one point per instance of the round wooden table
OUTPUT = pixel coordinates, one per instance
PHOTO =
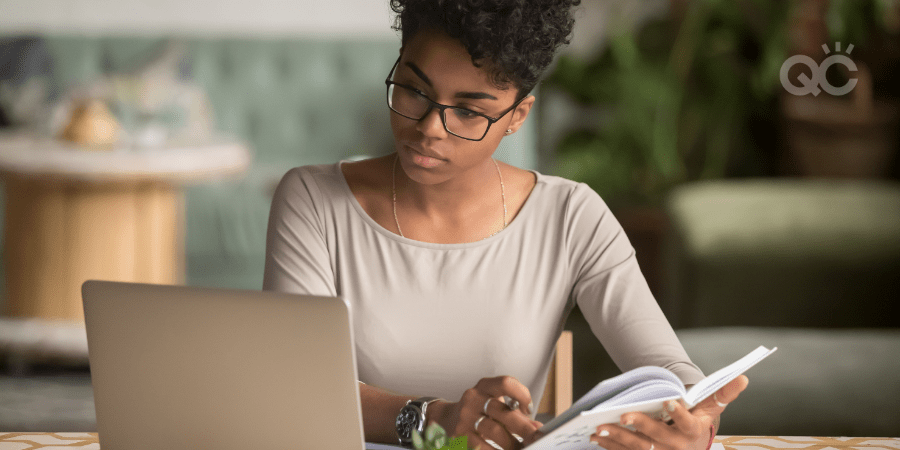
(74, 214)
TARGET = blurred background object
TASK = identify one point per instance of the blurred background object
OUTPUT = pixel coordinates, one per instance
(154, 100)
(25, 68)
(91, 125)
(748, 206)
(672, 110)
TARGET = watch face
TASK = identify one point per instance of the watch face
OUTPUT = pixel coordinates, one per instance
(408, 420)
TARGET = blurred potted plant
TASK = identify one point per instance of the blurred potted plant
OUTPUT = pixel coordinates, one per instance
(675, 98)
(678, 96)
(689, 96)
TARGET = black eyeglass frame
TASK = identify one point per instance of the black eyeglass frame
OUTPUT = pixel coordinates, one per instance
(441, 107)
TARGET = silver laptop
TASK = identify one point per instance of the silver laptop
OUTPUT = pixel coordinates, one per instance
(199, 368)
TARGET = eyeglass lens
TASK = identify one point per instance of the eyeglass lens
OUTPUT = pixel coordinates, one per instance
(413, 105)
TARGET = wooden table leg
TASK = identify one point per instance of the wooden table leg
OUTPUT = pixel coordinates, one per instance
(60, 233)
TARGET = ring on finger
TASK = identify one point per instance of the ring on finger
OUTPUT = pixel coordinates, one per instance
(510, 402)
(716, 399)
(488, 401)
(478, 422)
(652, 446)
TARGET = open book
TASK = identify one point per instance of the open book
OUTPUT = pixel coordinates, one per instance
(645, 389)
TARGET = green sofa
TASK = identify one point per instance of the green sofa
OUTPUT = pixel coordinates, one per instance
(809, 266)
(784, 252)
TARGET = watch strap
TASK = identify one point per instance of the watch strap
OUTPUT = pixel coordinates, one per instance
(423, 405)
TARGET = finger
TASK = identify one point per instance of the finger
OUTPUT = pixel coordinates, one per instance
(474, 402)
(532, 438)
(510, 402)
(614, 437)
(506, 385)
(491, 430)
(687, 427)
(725, 395)
(495, 407)
(513, 420)
(473, 440)
(607, 443)
(733, 389)
(654, 429)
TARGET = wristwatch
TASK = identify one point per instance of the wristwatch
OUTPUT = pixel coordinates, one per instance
(412, 417)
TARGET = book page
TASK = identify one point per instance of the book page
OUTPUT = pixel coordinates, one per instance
(609, 388)
(642, 392)
(575, 434)
(723, 376)
(572, 429)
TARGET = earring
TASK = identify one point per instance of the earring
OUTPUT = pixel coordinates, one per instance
(508, 131)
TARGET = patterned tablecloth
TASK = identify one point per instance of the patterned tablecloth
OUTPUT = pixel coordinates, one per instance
(27, 441)
(89, 441)
(801, 443)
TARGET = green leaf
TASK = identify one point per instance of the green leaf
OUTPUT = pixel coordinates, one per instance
(417, 441)
(434, 432)
(625, 50)
(674, 96)
(458, 443)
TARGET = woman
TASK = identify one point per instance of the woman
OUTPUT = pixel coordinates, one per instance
(461, 270)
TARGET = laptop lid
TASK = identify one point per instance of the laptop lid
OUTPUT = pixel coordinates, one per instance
(178, 367)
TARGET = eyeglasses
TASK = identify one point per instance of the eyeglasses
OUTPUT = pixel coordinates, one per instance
(411, 103)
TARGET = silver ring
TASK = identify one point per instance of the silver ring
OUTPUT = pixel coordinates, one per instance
(511, 403)
(716, 399)
(652, 446)
(486, 404)
(477, 422)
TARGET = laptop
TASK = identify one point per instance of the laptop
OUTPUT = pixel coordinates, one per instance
(177, 367)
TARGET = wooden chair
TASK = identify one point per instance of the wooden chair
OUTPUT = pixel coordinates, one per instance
(558, 391)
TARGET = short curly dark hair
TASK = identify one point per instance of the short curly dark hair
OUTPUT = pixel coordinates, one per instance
(515, 40)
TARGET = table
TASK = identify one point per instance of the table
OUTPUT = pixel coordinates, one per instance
(74, 215)
(800, 443)
(89, 441)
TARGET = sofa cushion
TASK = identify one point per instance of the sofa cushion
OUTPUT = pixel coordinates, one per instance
(820, 382)
(784, 252)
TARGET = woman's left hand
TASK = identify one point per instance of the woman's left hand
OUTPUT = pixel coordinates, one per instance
(688, 430)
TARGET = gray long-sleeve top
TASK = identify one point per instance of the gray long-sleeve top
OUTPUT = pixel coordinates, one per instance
(432, 319)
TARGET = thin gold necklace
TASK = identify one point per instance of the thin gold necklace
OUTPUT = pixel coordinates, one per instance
(394, 195)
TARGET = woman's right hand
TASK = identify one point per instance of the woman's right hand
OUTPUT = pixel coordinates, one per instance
(500, 423)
